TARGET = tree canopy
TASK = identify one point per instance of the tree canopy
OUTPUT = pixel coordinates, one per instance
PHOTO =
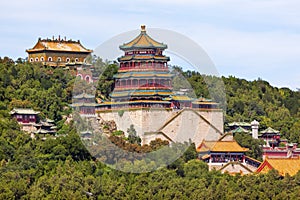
(62, 168)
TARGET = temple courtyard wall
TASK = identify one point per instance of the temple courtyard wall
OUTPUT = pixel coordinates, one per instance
(172, 125)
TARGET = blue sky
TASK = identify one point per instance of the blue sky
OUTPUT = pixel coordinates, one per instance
(244, 38)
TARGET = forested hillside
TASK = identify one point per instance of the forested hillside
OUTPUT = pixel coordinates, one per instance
(248, 100)
(62, 168)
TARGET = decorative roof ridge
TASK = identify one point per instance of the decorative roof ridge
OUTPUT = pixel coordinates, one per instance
(42, 43)
(151, 42)
(218, 142)
(23, 109)
(17, 110)
(276, 158)
(239, 123)
(270, 130)
(240, 128)
(58, 40)
(201, 143)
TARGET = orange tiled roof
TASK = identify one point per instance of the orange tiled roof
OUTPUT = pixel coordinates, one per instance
(160, 57)
(59, 45)
(228, 146)
(152, 93)
(202, 100)
(143, 40)
(181, 98)
(205, 146)
(283, 165)
(221, 146)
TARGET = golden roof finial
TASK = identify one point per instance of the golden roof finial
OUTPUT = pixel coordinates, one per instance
(143, 28)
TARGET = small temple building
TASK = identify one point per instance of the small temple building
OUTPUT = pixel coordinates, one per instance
(274, 146)
(244, 127)
(270, 136)
(84, 104)
(58, 52)
(227, 155)
(30, 122)
(44, 128)
(284, 166)
(287, 151)
(26, 117)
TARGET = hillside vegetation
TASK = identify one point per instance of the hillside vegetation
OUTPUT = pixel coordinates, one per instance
(62, 168)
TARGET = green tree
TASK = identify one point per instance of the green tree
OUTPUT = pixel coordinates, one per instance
(133, 138)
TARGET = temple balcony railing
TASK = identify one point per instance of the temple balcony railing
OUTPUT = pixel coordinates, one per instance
(144, 68)
(135, 87)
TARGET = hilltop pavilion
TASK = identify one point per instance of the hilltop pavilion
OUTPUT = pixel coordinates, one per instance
(144, 79)
(58, 52)
(143, 83)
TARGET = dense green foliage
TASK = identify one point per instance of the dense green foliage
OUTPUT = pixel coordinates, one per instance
(62, 168)
(278, 108)
(246, 140)
(43, 170)
(32, 86)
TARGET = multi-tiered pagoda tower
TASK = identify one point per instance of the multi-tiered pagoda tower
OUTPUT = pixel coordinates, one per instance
(144, 81)
(143, 78)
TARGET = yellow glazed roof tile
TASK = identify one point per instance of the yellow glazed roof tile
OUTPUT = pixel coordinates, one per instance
(283, 165)
(59, 45)
(221, 146)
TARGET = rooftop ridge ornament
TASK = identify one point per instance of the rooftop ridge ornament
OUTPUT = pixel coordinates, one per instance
(143, 41)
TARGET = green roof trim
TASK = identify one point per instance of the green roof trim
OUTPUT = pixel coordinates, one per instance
(269, 130)
(239, 124)
(240, 130)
